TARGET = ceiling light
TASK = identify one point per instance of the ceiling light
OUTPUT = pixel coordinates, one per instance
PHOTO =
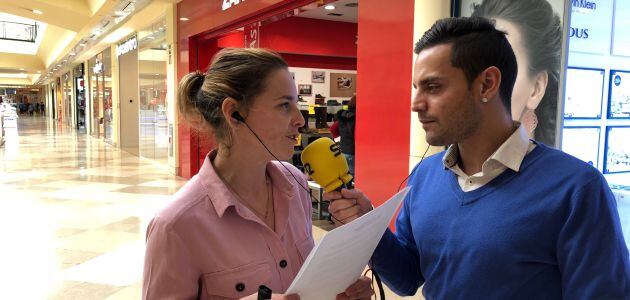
(184, 19)
(82, 45)
(38, 12)
(21, 69)
(329, 7)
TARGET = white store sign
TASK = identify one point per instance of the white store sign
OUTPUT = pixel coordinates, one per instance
(590, 26)
(129, 45)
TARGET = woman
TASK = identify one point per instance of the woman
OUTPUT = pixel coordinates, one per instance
(244, 220)
(535, 33)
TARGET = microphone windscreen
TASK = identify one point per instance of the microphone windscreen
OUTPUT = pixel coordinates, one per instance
(324, 163)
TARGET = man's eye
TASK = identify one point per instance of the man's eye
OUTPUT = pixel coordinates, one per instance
(285, 105)
(433, 88)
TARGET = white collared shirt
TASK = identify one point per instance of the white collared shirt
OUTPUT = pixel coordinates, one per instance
(509, 155)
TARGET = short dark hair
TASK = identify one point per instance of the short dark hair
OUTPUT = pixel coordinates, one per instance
(476, 46)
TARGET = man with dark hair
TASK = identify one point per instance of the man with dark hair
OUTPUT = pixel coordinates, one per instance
(496, 215)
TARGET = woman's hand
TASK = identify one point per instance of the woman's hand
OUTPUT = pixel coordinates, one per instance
(361, 289)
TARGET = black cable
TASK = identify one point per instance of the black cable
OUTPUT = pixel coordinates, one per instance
(375, 276)
(425, 153)
(374, 273)
(281, 162)
(290, 173)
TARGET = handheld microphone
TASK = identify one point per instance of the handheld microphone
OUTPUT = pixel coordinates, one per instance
(324, 162)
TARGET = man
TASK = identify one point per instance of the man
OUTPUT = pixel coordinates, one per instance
(496, 216)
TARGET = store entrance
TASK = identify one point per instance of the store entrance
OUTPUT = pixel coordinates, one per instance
(79, 91)
(319, 42)
(152, 67)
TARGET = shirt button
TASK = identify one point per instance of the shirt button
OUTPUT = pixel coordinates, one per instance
(240, 287)
(283, 264)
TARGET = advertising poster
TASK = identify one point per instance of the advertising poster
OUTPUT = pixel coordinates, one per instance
(534, 29)
(589, 31)
(583, 93)
(621, 29)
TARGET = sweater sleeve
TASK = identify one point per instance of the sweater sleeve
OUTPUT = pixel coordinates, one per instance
(396, 258)
(592, 254)
(168, 272)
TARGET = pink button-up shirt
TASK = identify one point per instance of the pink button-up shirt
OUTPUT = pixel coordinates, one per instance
(207, 245)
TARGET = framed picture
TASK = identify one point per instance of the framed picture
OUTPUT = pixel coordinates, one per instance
(617, 150)
(305, 89)
(582, 142)
(583, 96)
(342, 84)
(318, 76)
(619, 97)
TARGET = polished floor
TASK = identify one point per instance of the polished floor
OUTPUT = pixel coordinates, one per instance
(73, 214)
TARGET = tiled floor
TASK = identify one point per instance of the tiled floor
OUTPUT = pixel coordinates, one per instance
(73, 214)
(73, 211)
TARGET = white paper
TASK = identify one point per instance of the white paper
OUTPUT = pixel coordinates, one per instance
(341, 255)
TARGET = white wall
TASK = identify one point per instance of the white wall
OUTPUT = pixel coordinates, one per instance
(303, 76)
(426, 12)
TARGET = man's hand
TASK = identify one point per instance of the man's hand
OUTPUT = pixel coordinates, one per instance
(347, 205)
(361, 289)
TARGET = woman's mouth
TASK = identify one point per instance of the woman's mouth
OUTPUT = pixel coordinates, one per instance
(293, 137)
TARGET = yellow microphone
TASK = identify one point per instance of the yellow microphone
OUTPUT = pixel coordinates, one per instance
(324, 163)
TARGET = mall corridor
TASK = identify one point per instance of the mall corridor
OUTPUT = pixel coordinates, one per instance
(73, 214)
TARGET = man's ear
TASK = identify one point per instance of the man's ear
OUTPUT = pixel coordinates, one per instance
(490, 80)
(229, 107)
(538, 92)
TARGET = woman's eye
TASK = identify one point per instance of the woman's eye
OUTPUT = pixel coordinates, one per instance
(285, 106)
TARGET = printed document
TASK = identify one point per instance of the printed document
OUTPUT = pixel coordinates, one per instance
(340, 257)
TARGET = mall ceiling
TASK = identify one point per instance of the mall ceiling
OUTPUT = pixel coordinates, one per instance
(74, 29)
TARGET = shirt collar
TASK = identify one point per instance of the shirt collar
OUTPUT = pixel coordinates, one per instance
(222, 197)
(510, 154)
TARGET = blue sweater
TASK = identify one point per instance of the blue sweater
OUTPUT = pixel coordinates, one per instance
(549, 231)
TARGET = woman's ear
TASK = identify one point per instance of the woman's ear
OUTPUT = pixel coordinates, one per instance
(538, 92)
(228, 107)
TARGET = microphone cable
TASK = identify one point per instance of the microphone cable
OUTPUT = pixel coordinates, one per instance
(242, 120)
(371, 269)
(375, 276)
(280, 161)
(422, 158)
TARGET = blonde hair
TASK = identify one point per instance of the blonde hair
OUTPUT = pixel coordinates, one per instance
(234, 72)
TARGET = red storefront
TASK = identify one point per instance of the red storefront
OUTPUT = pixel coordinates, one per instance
(379, 47)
